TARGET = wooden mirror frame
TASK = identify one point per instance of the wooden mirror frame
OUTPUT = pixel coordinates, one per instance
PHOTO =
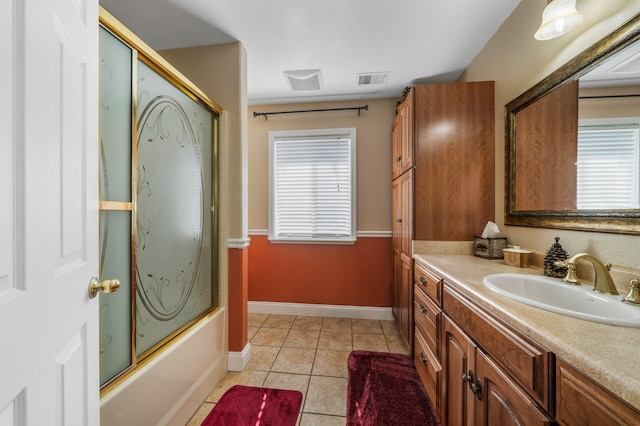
(625, 221)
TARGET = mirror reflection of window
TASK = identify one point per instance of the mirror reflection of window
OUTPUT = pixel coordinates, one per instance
(608, 164)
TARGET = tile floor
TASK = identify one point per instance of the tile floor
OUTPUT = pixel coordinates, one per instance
(308, 354)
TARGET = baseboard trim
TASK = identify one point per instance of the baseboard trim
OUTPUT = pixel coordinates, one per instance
(317, 310)
(237, 361)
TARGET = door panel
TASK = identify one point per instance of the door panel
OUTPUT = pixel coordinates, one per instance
(48, 325)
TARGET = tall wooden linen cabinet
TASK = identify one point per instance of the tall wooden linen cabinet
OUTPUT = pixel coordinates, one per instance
(443, 176)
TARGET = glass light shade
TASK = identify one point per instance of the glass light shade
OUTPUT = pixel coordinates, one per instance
(558, 18)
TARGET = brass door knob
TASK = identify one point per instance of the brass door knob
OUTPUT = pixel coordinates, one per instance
(106, 286)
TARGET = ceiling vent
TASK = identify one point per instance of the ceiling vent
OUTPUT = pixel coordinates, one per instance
(367, 79)
(304, 80)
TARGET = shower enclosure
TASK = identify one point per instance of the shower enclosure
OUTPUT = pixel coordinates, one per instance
(158, 191)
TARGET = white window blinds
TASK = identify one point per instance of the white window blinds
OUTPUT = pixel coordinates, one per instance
(312, 187)
(607, 172)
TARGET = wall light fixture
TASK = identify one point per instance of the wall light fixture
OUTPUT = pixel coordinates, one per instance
(558, 18)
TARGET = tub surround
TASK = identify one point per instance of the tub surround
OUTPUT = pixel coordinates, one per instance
(171, 387)
(603, 352)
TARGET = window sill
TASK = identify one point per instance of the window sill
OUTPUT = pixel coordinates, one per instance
(313, 241)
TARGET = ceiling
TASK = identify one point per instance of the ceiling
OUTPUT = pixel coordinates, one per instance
(415, 41)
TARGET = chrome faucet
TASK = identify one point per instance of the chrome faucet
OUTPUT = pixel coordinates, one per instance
(603, 283)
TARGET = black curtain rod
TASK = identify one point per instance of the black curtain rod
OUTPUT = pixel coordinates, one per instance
(265, 114)
(609, 96)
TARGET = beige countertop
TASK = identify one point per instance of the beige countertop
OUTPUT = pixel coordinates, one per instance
(609, 354)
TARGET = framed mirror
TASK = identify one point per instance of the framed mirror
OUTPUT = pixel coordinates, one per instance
(573, 142)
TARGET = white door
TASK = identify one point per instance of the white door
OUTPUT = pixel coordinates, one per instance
(48, 212)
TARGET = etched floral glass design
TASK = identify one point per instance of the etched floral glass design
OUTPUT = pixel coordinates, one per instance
(173, 250)
(155, 185)
(115, 185)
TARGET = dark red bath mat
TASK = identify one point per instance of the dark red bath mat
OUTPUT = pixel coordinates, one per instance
(385, 389)
(251, 406)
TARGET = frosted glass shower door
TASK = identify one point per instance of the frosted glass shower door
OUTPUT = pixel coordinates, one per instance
(174, 179)
(116, 203)
(158, 189)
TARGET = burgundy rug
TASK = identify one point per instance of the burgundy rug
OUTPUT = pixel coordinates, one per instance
(251, 406)
(385, 389)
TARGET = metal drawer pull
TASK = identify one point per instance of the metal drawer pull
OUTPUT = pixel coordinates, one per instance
(423, 358)
(423, 309)
(477, 389)
(423, 281)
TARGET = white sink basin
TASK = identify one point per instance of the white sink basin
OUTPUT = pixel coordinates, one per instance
(578, 301)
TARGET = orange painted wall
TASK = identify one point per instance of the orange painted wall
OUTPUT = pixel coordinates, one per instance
(358, 274)
(237, 304)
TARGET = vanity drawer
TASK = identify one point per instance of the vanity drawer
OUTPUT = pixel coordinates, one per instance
(526, 362)
(428, 282)
(429, 369)
(427, 319)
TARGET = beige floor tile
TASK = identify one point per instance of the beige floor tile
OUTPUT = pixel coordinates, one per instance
(279, 321)
(302, 339)
(396, 344)
(309, 419)
(201, 414)
(307, 323)
(262, 357)
(331, 363)
(251, 331)
(245, 378)
(370, 342)
(359, 326)
(299, 382)
(390, 327)
(294, 360)
(270, 336)
(337, 324)
(256, 320)
(335, 341)
(326, 395)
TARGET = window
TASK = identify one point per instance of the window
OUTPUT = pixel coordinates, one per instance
(312, 187)
(608, 161)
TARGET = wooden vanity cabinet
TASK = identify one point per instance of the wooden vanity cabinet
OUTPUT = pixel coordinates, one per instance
(402, 288)
(476, 391)
(499, 399)
(522, 359)
(443, 176)
(427, 311)
(402, 139)
(580, 401)
(489, 373)
(458, 350)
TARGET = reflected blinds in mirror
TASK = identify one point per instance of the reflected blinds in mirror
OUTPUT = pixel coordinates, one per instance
(608, 166)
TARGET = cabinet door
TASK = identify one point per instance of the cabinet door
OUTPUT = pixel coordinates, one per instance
(406, 212)
(454, 160)
(396, 147)
(579, 401)
(500, 401)
(396, 242)
(457, 365)
(396, 214)
(396, 281)
(406, 141)
(405, 319)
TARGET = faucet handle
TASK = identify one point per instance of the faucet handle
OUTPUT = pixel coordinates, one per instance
(607, 266)
(633, 296)
(571, 277)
